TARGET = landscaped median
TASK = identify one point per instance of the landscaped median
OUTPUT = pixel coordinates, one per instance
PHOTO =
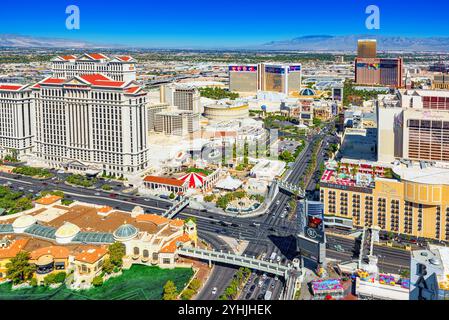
(38, 173)
(237, 283)
(80, 180)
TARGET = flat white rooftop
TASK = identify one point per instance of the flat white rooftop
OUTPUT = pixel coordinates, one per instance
(430, 175)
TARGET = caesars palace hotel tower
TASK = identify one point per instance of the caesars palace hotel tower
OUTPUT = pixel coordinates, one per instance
(91, 121)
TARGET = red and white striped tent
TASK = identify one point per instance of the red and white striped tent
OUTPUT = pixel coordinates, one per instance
(196, 180)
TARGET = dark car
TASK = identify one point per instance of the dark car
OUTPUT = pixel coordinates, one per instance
(261, 297)
(251, 289)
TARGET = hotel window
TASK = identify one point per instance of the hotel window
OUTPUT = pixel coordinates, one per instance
(368, 211)
(331, 202)
(420, 220)
(356, 208)
(344, 204)
(394, 220)
(437, 222)
(447, 224)
(381, 212)
(408, 217)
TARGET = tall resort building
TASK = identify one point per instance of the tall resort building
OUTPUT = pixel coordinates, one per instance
(91, 122)
(118, 68)
(265, 77)
(15, 119)
(414, 125)
(371, 70)
(379, 72)
(243, 78)
(367, 48)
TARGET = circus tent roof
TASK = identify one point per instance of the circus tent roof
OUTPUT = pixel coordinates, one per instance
(196, 180)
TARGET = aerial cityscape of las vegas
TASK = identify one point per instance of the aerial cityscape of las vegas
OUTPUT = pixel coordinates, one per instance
(241, 156)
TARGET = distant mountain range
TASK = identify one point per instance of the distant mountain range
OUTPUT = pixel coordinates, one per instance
(349, 43)
(19, 41)
(306, 43)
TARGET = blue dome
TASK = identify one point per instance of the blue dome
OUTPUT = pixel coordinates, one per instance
(307, 92)
(125, 231)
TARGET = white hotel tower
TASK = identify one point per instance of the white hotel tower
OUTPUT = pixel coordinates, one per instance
(119, 68)
(91, 122)
(15, 119)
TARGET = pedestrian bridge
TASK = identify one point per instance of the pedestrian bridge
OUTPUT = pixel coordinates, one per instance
(176, 208)
(237, 260)
(291, 188)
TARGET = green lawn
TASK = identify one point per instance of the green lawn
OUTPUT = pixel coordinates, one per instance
(138, 283)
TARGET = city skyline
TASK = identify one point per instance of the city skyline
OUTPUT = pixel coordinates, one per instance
(195, 25)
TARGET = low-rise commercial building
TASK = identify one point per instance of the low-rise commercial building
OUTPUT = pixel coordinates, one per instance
(409, 200)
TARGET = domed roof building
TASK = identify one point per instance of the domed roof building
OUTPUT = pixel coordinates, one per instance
(22, 223)
(66, 233)
(125, 232)
(307, 92)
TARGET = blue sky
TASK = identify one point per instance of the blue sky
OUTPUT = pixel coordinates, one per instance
(219, 23)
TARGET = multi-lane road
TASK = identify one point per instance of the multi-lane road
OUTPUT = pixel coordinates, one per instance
(270, 233)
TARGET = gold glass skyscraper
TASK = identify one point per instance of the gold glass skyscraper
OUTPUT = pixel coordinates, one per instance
(367, 48)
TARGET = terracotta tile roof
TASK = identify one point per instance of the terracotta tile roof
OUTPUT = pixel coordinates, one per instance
(153, 218)
(177, 223)
(14, 248)
(105, 209)
(166, 181)
(91, 255)
(124, 58)
(68, 57)
(132, 90)
(97, 56)
(10, 87)
(171, 247)
(50, 199)
(56, 252)
(52, 81)
(100, 80)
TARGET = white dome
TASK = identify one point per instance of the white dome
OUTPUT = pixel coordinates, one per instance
(22, 223)
(66, 232)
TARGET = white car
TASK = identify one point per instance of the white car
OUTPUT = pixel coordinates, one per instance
(97, 193)
(214, 291)
(278, 202)
(264, 276)
(278, 259)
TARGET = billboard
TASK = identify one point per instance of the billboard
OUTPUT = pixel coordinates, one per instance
(337, 94)
(277, 70)
(314, 215)
(311, 240)
(294, 68)
(243, 68)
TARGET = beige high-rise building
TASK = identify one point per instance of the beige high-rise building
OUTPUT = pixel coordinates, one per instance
(182, 96)
(15, 119)
(414, 125)
(367, 48)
